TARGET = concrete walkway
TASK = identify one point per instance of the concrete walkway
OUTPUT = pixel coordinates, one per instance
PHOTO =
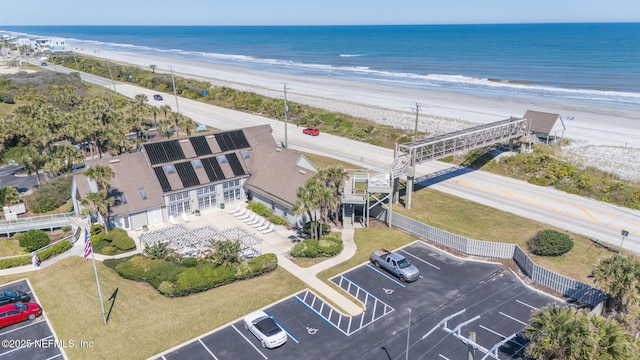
(279, 242)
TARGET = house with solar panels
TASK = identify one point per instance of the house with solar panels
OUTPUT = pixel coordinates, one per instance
(171, 177)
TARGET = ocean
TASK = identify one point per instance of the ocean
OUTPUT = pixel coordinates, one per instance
(591, 62)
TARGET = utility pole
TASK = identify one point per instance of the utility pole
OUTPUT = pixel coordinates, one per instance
(286, 110)
(408, 335)
(175, 94)
(111, 75)
(415, 130)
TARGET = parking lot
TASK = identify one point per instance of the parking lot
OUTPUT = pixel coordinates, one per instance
(28, 339)
(485, 298)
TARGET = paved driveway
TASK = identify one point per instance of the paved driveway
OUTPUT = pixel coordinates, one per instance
(488, 300)
(31, 340)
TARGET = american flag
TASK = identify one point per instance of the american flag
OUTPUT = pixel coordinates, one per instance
(87, 243)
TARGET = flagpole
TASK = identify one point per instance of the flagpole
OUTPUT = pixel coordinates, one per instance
(95, 270)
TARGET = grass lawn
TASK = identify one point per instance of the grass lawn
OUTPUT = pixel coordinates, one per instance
(10, 247)
(142, 322)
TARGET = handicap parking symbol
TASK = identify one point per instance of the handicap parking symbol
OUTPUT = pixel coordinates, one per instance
(388, 291)
(311, 331)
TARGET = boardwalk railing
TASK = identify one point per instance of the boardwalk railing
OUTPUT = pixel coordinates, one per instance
(43, 222)
(570, 288)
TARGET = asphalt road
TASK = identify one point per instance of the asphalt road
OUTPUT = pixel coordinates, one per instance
(9, 177)
(597, 220)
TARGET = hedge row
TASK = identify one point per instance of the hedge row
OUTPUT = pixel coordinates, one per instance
(55, 249)
(174, 280)
(311, 248)
(115, 242)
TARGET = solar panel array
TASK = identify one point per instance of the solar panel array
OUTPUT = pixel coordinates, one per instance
(162, 178)
(235, 164)
(213, 169)
(187, 174)
(164, 152)
(200, 145)
(231, 140)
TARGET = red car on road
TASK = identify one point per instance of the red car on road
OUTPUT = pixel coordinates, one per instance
(311, 131)
(18, 312)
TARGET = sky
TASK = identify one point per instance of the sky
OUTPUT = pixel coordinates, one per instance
(312, 12)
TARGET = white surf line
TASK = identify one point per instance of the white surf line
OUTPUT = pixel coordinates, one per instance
(527, 305)
(512, 318)
(206, 348)
(249, 341)
(417, 258)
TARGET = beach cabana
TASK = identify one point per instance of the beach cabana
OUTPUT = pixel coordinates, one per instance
(545, 126)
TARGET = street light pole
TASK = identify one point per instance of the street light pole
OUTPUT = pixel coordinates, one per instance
(408, 334)
(286, 110)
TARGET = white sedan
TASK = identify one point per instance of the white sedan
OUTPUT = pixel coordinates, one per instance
(265, 329)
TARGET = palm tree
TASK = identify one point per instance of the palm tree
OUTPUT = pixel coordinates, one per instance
(225, 252)
(309, 202)
(334, 178)
(566, 333)
(555, 333)
(159, 250)
(619, 276)
(101, 174)
(98, 202)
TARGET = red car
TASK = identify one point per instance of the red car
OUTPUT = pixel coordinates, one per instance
(311, 131)
(14, 313)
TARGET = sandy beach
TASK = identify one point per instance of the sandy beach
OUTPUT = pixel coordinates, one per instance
(606, 137)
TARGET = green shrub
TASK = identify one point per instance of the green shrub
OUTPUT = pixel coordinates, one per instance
(120, 239)
(33, 240)
(66, 228)
(306, 228)
(278, 220)
(135, 268)
(203, 277)
(189, 262)
(167, 288)
(256, 266)
(109, 250)
(113, 263)
(55, 249)
(311, 248)
(550, 243)
(50, 195)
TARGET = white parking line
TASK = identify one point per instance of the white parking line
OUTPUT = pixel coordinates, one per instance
(385, 275)
(417, 258)
(500, 335)
(249, 341)
(527, 305)
(206, 348)
(512, 318)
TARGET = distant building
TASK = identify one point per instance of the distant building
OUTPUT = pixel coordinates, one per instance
(50, 45)
(545, 126)
(172, 177)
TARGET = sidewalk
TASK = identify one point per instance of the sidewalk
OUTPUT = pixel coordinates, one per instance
(279, 242)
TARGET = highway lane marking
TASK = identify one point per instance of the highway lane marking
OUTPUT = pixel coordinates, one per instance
(249, 341)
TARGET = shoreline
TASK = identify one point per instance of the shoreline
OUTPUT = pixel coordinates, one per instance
(592, 124)
(606, 137)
